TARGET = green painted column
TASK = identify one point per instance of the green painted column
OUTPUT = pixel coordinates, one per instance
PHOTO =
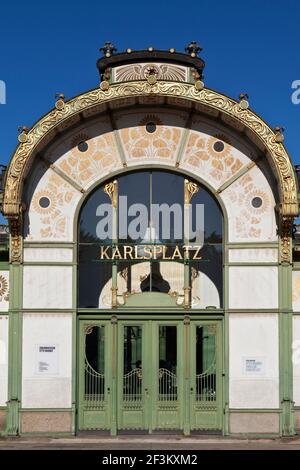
(186, 374)
(225, 373)
(14, 350)
(114, 397)
(285, 349)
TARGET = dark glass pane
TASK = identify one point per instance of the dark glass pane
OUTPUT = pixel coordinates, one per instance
(132, 366)
(93, 276)
(210, 266)
(167, 373)
(211, 263)
(205, 348)
(168, 347)
(168, 189)
(132, 348)
(165, 230)
(206, 363)
(94, 348)
(94, 365)
(89, 219)
(213, 219)
(134, 188)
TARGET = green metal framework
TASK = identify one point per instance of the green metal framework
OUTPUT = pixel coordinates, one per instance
(285, 314)
(150, 396)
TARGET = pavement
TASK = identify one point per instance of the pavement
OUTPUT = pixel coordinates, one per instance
(147, 442)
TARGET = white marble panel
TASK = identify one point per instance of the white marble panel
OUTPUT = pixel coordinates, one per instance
(43, 389)
(47, 287)
(3, 359)
(4, 291)
(253, 287)
(253, 255)
(253, 337)
(60, 255)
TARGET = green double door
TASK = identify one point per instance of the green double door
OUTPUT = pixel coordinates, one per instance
(150, 375)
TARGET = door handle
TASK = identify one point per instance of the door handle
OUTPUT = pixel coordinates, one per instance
(191, 389)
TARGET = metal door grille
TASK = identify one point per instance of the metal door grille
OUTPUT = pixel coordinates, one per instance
(206, 384)
(167, 385)
(132, 386)
(94, 387)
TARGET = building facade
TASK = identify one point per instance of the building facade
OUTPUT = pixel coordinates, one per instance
(154, 332)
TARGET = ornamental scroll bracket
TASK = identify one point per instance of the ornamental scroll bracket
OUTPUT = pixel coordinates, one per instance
(16, 239)
(285, 231)
(111, 190)
(190, 189)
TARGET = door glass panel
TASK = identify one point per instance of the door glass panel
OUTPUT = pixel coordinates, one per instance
(206, 363)
(167, 363)
(94, 365)
(132, 376)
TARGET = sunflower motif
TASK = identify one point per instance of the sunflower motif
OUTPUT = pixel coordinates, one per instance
(221, 153)
(51, 203)
(265, 202)
(221, 161)
(150, 118)
(3, 289)
(85, 140)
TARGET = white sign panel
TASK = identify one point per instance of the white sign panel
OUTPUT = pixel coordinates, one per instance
(254, 365)
(47, 359)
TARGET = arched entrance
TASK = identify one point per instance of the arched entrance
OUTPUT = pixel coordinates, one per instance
(149, 366)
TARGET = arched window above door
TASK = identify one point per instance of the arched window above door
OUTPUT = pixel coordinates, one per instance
(150, 232)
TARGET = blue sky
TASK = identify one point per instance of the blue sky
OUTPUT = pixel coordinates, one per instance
(49, 47)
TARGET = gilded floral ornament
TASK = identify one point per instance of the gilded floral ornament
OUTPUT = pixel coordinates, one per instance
(111, 190)
(286, 239)
(190, 189)
(15, 228)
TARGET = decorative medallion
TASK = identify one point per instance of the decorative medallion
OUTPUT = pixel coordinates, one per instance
(258, 202)
(44, 202)
(82, 144)
(152, 119)
(218, 146)
(126, 73)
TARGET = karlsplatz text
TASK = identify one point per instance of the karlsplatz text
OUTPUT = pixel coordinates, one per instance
(146, 252)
